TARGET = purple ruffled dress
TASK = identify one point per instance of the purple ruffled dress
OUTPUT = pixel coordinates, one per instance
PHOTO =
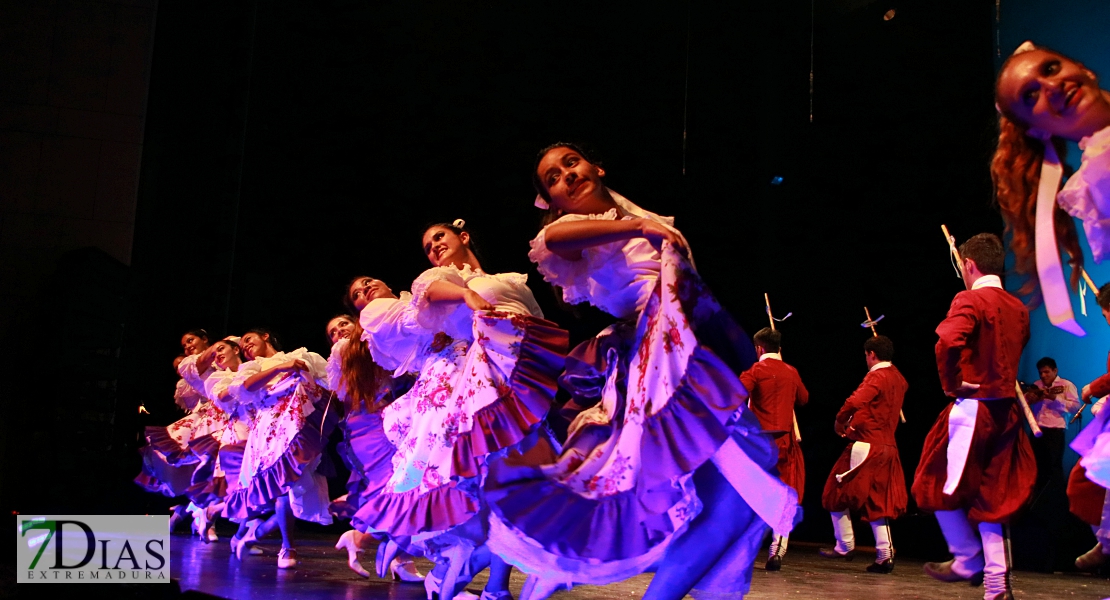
(655, 404)
(483, 387)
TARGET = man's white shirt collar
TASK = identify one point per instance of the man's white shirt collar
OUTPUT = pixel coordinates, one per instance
(880, 365)
(987, 281)
(774, 355)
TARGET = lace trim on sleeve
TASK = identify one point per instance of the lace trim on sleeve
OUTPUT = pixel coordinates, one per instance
(335, 368)
(1087, 193)
(237, 388)
(429, 315)
(571, 275)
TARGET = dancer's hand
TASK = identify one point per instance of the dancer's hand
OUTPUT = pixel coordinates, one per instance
(656, 234)
(965, 390)
(476, 302)
(295, 366)
(440, 341)
(1087, 393)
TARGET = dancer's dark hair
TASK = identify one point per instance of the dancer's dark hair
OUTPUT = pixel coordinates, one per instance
(264, 331)
(881, 346)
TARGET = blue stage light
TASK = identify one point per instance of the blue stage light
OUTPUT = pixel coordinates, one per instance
(776, 180)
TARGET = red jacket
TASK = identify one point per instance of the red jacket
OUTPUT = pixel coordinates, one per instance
(981, 341)
(1101, 386)
(873, 408)
(775, 388)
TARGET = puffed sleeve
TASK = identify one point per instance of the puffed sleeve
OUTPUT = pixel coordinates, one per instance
(317, 365)
(573, 276)
(185, 396)
(953, 333)
(390, 330)
(335, 368)
(238, 389)
(440, 316)
(1097, 406)
(187, 368)
(215, 385)
(1087, 193)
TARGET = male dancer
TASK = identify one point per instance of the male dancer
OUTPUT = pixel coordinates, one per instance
(868, 479)
(1087, 499)
(775, 389)
(977, 465)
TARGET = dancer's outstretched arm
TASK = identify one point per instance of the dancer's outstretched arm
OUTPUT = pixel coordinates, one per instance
(569, 239)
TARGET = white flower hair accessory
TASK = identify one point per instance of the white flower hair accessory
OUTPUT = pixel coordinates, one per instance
(1025, 46)
(461, 224)
(541, 203)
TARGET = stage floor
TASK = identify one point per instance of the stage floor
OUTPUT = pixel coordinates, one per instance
(323, 574)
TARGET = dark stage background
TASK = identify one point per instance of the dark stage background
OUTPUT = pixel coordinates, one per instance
(292, 145)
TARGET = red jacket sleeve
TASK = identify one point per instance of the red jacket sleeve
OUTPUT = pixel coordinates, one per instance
(802, 395)
(864, 394)
(1101, 386)
(748, 379)
(953, 333)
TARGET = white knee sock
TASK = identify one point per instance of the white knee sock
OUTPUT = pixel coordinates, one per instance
(884, 547)
(842, 529)
(778, 545)
(962, 542)
(996, 553)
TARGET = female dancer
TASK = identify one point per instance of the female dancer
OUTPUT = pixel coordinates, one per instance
(625, 493)
(475, 400)
(1045, 98)
(364, 388)
(288, 435)
(170, 462)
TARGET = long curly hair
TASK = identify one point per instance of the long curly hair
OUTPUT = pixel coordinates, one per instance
(364, 381)
(1016, 173)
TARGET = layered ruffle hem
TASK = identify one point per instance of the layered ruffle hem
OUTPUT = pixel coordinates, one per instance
(475, 407)
(657, 401)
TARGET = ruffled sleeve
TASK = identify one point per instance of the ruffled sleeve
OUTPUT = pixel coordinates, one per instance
(335, 368)
(440, 316)
(390, 330)
(187, 368)
(571, 275)
(317, 366)
(237, 387)
(216, 385)
(185, 396)
(1087, 193)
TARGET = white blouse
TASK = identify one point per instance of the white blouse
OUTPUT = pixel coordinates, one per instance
(281, 385)
(334, 369)
(186, 397)
(190, 389)
(390, 329)
(507, 292)
(1086, 195)
(617, 277)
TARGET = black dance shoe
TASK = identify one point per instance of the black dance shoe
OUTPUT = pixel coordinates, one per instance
(884, 567)
(832, 553)
(774, 563)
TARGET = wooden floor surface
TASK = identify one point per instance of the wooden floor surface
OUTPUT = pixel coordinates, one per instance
(323, 575)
